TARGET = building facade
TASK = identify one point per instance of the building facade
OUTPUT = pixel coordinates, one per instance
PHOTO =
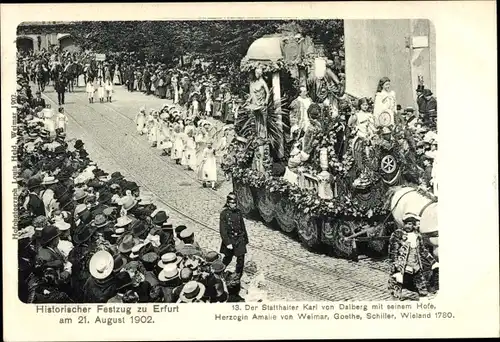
(399, 49)
(35, 36)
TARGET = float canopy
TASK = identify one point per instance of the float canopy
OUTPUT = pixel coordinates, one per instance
(265, 49)
(62, 35)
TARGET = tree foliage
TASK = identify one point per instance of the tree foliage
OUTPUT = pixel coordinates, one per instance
(223, 41)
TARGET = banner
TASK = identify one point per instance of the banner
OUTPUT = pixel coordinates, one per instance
(100, 57)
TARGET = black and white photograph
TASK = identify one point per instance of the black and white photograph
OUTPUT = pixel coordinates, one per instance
(220, 161)
(230, 160)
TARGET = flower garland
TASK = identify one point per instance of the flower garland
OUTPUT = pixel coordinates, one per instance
(276, 66)
(249, 66)
(304, 62)
(305, 200)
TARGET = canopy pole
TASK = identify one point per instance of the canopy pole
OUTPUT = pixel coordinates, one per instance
(277, 108)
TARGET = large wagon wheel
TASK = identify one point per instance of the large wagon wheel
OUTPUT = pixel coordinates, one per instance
(284, 212)
(244, 198)
(309, 231)
(344, 248)
(265, 205)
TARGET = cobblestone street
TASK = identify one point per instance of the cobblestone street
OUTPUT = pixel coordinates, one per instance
(293, 273)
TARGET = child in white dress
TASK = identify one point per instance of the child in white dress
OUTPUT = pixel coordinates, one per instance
(167, 141)
(190, 150)
(208, 106)
(178, 145)
(109, 90)
(140, 120)
(207, 170)
(160, 138)
(223, 143)
(90, 91)
(100, 90)
(195, 108)
(153, 128)
(61, 120)
(175, 88)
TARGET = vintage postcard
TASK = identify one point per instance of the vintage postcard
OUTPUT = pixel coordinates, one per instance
(252, 170)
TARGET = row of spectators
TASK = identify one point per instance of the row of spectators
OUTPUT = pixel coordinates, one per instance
(89, 237)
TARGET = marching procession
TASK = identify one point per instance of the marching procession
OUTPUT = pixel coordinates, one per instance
(87, 236)
(202, 91)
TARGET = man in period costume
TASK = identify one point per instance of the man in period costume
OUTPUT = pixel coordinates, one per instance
(410, 258)
(234, 234)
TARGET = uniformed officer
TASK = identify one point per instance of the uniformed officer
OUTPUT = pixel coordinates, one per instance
(234, 234)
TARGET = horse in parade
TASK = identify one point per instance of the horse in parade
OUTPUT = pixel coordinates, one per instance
(73, 70)
(90, 71)
(42, 75)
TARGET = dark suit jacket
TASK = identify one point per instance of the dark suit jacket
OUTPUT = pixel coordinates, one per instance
(35, 205)
(427, 107)
(50, 258)
(39, 102)
(60, 85)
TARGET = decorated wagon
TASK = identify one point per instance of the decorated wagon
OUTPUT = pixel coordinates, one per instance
(299, 165)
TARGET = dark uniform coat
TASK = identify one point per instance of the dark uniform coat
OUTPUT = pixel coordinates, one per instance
(233, 231)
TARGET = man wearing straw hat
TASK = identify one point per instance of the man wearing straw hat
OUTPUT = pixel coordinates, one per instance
(101, 286)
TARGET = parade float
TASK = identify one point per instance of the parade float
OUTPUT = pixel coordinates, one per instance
(298, 165)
